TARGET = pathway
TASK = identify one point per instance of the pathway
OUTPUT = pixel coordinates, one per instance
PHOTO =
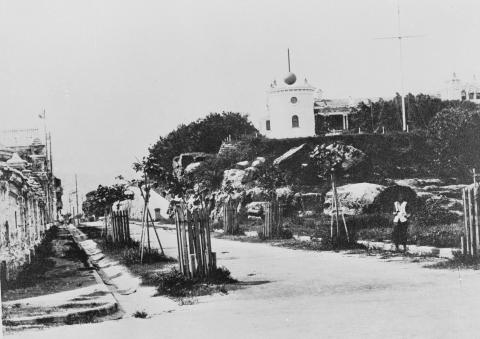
(304, 294)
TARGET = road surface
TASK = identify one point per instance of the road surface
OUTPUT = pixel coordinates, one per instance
(304, 294)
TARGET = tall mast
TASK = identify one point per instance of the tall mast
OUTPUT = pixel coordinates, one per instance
(400, 37)
(288, 56)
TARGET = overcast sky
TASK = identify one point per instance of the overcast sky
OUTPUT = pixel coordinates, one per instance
(114, 75)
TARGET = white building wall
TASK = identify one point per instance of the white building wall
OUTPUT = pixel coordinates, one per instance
(281, 110)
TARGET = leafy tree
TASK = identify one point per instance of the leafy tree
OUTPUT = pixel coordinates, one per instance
(203, 135)
(454, 137)
(100, 201)
(420, 109)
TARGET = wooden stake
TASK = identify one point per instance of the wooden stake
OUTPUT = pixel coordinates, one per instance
(472, 223)
(475, 212)
(155, 230)
(335, 198)
(345, 225)
(142, 236)
(178, 220)
(465, 220)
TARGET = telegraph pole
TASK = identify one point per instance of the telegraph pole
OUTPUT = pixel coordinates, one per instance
(76, 196)
(400, 37)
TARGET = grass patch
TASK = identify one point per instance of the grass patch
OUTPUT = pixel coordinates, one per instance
(459, 261)
(140, 314)
(174, 284)
(447, 235)
(130, 254)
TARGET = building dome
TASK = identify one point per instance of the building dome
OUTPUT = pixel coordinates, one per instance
(290, 78)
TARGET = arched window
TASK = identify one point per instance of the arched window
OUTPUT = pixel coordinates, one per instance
(295, 122)
(267, 125)
(464, 95)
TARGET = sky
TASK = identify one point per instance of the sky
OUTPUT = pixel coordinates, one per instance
(115, 75)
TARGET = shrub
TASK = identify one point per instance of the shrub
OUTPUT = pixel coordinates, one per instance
(432, 212)
(130, 253)
(173, 283)
(285, 233)
(438, 236)
(375, 234)
(458, 261)
(369, 221)
(447, 235)
(140, 314)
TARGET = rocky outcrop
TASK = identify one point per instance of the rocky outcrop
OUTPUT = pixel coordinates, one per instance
(294, 157)
(354, 199)
(182, 161)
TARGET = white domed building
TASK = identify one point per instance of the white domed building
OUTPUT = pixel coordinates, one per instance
(289, 109)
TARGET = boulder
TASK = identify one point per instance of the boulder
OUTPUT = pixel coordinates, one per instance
(294, 157)
(181, 162)
(235, 178)
(242, 164)
(192, 167)
(259, 161)
(354, 199)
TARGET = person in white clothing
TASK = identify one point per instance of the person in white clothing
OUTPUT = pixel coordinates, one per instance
(400, 229)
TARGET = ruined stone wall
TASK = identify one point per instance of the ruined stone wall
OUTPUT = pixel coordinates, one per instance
(22, 222)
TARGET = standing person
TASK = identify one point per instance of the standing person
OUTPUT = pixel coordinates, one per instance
(400, 229)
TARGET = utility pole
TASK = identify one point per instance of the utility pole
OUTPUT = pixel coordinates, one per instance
(76, 196)
(288, 56)
(400, 37)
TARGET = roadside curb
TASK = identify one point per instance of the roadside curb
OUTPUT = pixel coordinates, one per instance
(111, 272)
(429, 251)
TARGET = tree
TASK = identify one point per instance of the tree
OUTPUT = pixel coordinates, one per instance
(100, 201)
(203, 135)
(420, 109)
(331, 162)
(454, 137)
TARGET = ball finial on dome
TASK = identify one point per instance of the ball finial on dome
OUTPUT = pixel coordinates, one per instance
(290, 78)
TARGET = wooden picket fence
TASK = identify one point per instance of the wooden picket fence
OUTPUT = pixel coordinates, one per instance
(195, 255)
(120, 227)
(470, 240)
(273, 219)
(230, 218)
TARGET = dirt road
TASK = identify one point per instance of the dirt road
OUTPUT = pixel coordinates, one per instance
(301, 294)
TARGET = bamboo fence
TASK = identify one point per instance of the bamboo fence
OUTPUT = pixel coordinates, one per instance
(195, 255)
(273, 219)
(120, 227)
(230, 218)
(470, 239)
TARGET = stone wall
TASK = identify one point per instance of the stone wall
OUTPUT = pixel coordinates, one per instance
(22, 220)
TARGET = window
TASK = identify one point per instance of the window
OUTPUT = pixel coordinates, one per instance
(464, 95)
(293, 100)
(477, 95)
(267, 123)
(295, 121)
(470, 96)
